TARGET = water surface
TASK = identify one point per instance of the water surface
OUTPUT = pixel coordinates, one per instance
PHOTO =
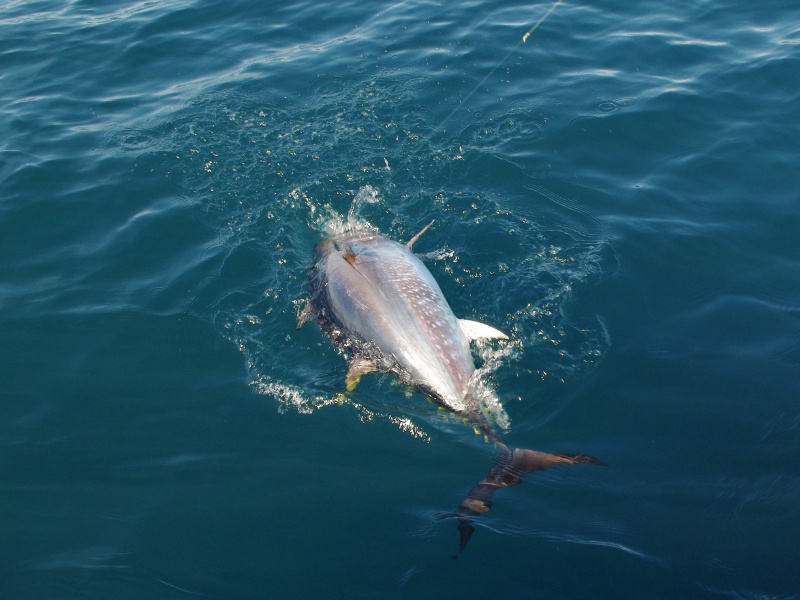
(620, 195)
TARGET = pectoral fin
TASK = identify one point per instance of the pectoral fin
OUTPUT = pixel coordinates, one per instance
(358, 367)
(305, 315)
(474, 330)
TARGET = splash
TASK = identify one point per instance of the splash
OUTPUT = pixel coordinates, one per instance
(324, 219)
(559, 347)
(271, 204)
(293, 398)
(491, 357)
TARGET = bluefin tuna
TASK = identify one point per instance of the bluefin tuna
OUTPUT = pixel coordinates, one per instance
(376, 301)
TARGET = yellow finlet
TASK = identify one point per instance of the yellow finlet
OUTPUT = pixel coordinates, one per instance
(351, 381)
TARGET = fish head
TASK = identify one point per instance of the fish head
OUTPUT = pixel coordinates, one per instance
(322, 250)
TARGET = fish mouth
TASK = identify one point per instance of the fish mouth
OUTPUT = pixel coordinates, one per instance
(322, 249)
(324, 245)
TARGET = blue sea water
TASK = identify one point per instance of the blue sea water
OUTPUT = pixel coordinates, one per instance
(619, 193)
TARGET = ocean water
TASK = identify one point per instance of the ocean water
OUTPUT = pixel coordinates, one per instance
(620, 193)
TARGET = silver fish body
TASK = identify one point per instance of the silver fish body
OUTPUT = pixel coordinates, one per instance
(375, 299)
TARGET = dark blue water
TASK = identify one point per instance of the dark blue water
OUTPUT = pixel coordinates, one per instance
(619, 194)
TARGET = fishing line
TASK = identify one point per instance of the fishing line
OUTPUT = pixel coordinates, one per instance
(501, 62)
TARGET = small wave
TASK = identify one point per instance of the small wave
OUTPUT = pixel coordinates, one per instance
(606, 544)
(133, 140)
(93, 557)
(743, 593)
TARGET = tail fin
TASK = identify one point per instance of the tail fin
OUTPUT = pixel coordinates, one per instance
(509, 470)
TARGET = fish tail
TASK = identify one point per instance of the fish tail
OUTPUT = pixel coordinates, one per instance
(509, 470)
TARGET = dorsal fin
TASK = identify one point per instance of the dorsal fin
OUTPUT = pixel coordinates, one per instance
(416, 237)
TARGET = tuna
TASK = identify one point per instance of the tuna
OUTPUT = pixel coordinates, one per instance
(376, 301)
